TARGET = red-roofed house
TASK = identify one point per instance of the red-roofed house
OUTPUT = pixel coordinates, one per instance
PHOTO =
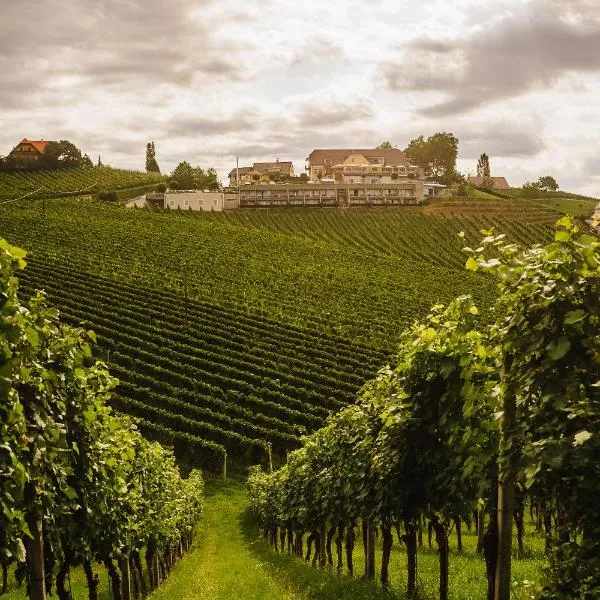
(27, 150)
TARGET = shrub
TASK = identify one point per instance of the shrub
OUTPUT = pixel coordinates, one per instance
(161, 188)
(461, 190)
(173, 184)
(108, 196)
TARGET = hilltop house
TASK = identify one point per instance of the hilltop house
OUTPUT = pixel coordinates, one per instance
(261, 172)
(498, 183)
(28, 150)
(361, 166)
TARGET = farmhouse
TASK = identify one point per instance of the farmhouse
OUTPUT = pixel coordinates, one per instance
(28, 150)
(498, 183)
(261, 172)
(366, 166)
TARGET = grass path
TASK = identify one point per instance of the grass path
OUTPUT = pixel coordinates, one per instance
(229, 561)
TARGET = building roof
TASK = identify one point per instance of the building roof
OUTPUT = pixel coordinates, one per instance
(242, 170)
(391, 156)
(498, 183)
(262, 167)
(39, 145)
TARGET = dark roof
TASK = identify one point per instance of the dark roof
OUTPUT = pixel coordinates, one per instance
(242, 171)
(498, 183)
(391, 156)
(261, 167)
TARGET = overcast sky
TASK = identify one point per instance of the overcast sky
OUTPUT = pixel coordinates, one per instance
(209, 80)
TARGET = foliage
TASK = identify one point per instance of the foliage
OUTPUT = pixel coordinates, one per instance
(151, 164)
(387, 145)
(483, 166)
(108, 196)
(530, 190)
(547, 327)
(436, 155)
(547, 183)
(188, 178)
(98, 487)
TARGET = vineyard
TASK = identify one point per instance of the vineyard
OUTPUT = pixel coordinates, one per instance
(233, 335)
(80, 485)
(69, 181)
(420, 448)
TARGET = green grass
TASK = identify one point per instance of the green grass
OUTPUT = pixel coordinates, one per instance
(576, 207)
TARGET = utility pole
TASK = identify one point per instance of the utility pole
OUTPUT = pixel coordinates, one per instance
(237, 179)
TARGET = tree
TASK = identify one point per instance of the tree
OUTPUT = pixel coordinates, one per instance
(62, 154)
(206, 180)
(86, 161)
(184, 175)
(436, 155)
(547, 183)
(151, 164)
(385, 146)
(99, 164)
(483, 166)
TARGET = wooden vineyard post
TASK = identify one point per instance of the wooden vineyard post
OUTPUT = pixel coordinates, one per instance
(506, 492)
(125, 579)
(270, 456)
(225, 466)
(185, 293)
(37, 579)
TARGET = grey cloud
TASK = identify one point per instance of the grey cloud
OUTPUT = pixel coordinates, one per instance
(320, 111)
(184, 126)
(124, 46)
(499, 139)
(528, 50)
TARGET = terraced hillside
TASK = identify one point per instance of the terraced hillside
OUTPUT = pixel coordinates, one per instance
(344, 291)
(63, 181)
(232, 331)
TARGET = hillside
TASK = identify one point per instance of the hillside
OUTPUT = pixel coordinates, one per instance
(49, 184)
(229, 331)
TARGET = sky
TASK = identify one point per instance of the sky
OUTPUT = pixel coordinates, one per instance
(209, 80)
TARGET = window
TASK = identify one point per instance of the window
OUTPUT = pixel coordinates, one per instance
(186, 202)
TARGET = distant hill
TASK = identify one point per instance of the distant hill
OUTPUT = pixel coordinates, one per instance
(66, 182)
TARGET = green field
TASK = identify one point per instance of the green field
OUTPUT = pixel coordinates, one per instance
(231, 330)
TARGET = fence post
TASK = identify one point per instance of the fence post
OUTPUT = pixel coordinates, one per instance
(225, 466)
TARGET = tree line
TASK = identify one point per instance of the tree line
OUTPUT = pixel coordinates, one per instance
(473, 415)
(78, 484)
